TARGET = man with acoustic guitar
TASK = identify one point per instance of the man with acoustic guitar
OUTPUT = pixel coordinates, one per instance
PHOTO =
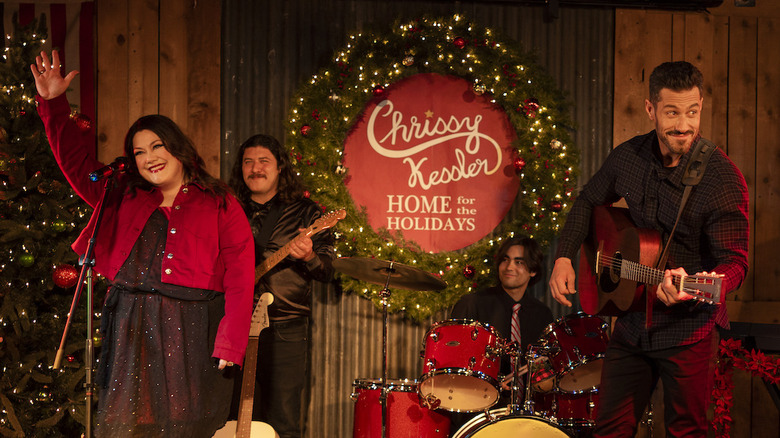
(279, 212)
(670, 336)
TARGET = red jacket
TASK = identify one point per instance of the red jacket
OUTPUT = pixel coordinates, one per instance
(207, 246)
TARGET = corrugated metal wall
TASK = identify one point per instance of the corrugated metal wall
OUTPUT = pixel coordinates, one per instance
(270, 47)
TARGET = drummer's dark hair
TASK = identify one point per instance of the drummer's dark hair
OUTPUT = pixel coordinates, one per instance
(532, 253)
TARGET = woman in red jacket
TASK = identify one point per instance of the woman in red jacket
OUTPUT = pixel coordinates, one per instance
(178, 251)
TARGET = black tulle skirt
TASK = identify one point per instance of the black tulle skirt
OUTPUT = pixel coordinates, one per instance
(156, 376)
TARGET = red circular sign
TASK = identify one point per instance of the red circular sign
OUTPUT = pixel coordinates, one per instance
(431, 159)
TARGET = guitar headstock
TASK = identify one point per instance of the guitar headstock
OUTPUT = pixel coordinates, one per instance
(703, 287)
(327, 220)
(260, 314)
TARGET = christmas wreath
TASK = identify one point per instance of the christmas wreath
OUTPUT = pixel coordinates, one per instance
(324, 110)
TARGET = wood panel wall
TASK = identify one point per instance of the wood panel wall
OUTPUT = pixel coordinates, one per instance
(738, 51)
(159, 57)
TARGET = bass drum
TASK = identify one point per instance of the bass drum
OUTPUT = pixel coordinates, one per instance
(498, 423)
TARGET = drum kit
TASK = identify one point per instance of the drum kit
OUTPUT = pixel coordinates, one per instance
(461, 365)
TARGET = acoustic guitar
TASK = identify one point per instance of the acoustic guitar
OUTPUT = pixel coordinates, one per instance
(244, 427)
(616, 267)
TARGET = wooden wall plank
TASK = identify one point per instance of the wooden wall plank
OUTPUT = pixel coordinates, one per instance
(174, 61)
(767, 161)
(678, 37)
(719, 77)
(698, 50)
(634, 61)
(112, 48)
(742, 122)
(203, 107)
(143, 64)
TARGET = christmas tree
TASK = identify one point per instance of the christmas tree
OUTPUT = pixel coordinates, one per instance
(40, 215)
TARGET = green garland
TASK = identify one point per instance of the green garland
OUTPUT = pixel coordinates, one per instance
(325, 109)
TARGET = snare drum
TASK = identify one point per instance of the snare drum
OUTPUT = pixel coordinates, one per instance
(498, 423)
(461, 365)
(405, 417)
(576, 345)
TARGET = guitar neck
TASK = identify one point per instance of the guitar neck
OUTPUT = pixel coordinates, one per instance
(643, 274)
(244, 426)
(702, 288)
(272, 261)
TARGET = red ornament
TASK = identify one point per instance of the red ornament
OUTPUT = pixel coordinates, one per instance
(65, 276)
(305, 130)
(459, 42)
(306, 194)
(469, 272)
(519, 164)
(83, 122)
(556, 206)
(379, 90)
(531, 106)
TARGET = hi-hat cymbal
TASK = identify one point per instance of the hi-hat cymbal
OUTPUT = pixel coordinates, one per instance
(376, 271)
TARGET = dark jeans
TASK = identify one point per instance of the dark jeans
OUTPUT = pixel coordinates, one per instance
(282, 381)
(629, 376)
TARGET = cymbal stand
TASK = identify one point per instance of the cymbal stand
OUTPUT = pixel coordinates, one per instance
(385, 295)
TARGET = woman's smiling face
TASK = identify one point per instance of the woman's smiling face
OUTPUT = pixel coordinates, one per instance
(155, 164)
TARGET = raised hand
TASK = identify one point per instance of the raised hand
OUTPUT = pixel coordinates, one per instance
(48, 79)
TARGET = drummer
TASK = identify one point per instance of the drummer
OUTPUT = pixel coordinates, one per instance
(519, 264)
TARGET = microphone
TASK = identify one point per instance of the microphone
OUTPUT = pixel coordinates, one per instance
(119, 165)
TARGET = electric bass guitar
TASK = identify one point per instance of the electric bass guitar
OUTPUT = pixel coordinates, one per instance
(245, 427)
(322, 223)
(616, 267)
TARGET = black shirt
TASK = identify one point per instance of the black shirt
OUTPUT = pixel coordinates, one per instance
(290, 281)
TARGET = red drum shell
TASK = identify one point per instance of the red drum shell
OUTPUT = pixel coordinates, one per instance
(406, 418)
(578, 409)
(576, 345)
(461, 365)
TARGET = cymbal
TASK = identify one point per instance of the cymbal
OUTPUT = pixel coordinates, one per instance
(376, 271)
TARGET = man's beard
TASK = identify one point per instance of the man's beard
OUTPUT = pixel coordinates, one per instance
(678, 146)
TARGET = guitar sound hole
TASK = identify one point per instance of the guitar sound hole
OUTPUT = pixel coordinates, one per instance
(610, 278)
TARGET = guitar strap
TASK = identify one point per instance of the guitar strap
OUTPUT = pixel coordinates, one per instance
(694, 172)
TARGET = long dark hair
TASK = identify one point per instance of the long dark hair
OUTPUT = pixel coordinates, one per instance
(532, 254)
(180, 146)
(290, 187)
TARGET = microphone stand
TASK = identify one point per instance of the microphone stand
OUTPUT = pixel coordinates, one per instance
(87, 263)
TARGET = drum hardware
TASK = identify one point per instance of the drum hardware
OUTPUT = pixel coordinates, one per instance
(386, 274)
(430, 401)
